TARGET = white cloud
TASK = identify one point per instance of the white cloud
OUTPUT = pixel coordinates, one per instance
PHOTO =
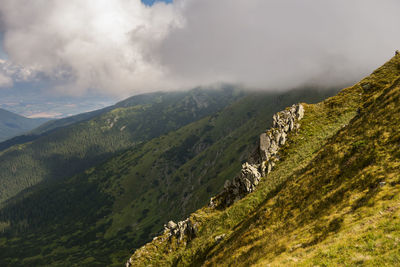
(10, 72)
(124, 47)
(88, 44)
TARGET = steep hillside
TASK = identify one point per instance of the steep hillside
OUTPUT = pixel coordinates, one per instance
(69, 150)
(12, 124)
(332, 198)
(145, 99)
(98, 216)
(49, 127)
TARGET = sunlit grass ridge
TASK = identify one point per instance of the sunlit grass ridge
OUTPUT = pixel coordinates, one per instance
(333, 199)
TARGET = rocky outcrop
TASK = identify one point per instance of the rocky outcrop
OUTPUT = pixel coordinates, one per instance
(259, 164)
(262, 160)
(181, 230)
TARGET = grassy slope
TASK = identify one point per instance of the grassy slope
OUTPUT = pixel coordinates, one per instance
(99, 216)
(332, 200)
(70, 150)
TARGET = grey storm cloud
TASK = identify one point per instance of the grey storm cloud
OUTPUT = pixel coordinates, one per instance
(124, 47)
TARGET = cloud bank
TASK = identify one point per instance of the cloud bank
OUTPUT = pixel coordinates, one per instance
(10, 72)
(123, 47)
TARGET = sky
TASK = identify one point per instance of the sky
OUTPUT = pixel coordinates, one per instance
(115, 49)
(151, 2)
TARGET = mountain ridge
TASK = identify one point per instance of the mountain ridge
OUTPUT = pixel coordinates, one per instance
(12, 124)
(122, 202)
(99, 137)
(292, 215)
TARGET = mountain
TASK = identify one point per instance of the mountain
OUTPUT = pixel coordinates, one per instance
(52, 125)
(129, 102)
(97, 216)
(65, 151)
(331, 199)
(12, 124)
(48, 127)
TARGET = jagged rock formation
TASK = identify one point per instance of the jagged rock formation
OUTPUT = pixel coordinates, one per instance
(181, 230)
(262, 160)
(260, 163)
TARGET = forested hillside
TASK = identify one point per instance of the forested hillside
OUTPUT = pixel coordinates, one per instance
(66, 151)
(12, 124)
(331, 200)
(98, 216)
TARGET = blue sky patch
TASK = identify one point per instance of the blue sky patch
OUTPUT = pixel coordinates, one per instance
(151, 2)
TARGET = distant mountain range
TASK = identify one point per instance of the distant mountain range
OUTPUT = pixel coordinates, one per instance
(12, 124)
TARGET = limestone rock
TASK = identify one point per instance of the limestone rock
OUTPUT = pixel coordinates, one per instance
(291, 125)
(171, 225)
(262, 160)
(269, 168)
(300, 112)
(219, 238)
(250, 176)
(282, 140)
(181, 230)
(264, 145)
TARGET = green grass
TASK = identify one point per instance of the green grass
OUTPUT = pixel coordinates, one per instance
(326, 186)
